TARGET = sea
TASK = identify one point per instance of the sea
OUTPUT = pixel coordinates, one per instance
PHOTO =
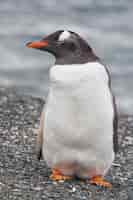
(106, 25)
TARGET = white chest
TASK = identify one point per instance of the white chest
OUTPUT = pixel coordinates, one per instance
(78, 92)
(70, 75)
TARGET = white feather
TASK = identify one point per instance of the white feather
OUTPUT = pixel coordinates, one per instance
(64, 35)
(78, 123)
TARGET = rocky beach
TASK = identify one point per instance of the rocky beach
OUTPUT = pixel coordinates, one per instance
(23, 177)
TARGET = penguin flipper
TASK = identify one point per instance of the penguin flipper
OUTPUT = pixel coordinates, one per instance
(39, 140)
(39, 154)
(115, 127)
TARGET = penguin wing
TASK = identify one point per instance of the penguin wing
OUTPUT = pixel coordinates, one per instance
(39, 139)
(115, 127)
(115, 120)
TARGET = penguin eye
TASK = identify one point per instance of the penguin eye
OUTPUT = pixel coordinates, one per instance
(72, 46)
(69, 45)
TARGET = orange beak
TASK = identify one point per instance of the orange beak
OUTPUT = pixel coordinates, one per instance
(37, 44)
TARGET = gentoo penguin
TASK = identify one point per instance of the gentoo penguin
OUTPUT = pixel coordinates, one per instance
(78, 129)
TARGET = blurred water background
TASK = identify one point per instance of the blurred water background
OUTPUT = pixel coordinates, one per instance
(106, 25)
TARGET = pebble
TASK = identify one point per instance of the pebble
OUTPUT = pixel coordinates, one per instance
(74, 189)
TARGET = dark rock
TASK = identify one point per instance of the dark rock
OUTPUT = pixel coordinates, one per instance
(22, 177)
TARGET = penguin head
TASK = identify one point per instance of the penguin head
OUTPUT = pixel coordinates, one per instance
(67, 47)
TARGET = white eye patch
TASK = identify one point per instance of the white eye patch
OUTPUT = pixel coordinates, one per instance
(64, 35)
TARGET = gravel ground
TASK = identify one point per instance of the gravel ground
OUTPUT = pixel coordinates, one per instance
(22, 177)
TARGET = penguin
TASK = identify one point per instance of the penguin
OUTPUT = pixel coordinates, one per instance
(78, 127)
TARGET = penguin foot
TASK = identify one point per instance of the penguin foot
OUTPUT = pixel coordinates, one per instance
(57, 176)
(98, 180)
